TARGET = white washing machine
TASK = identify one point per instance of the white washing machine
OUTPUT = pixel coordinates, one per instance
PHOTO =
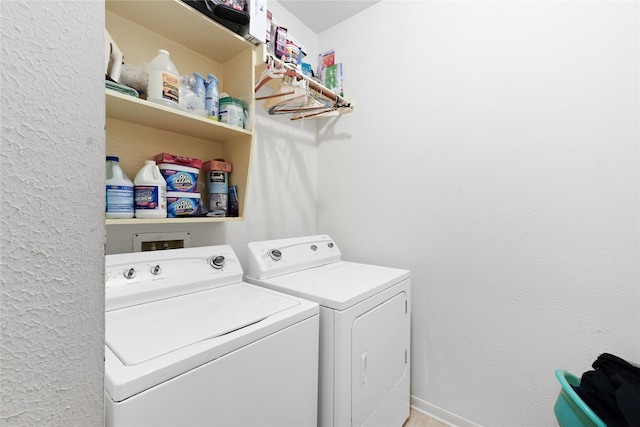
(189, 344)
(365, 315)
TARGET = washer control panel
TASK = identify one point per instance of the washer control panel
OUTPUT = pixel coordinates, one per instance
(271, 258)
(141, 277)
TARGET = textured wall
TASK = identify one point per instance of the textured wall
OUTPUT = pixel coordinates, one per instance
(494, 152)
(52, 187)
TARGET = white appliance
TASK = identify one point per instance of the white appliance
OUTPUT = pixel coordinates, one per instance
(189, 344)
(365, 315)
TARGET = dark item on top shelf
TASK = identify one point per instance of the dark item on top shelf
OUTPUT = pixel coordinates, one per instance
(233, 19)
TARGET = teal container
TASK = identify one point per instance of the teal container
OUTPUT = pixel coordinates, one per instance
(570, 409)
(232, 111)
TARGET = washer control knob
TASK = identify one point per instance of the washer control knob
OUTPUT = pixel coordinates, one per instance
(330, 244)
(314, 248)
(217, 262)
(130, 273)
(155, 270)
(275, 254)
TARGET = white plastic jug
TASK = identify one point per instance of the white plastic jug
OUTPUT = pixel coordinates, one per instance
(163, 84)
(119, 191)
(150, 192)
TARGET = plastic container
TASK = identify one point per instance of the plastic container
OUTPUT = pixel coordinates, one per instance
(232, 111)
(150, 192)
(179, 178)
(182, 204)
(212, 101)
(119, 191)
(163, 84)
(570, 409)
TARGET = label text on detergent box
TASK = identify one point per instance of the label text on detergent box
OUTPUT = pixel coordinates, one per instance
(146, 197)
(181, 181)
(181, 207)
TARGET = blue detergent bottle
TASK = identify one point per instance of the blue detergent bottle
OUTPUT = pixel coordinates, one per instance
(211, 103)
(199, 87)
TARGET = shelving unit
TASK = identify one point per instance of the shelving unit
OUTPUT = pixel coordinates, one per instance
(137, 130)
(339, 102)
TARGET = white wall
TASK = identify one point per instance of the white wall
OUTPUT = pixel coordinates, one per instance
(52, 191)
(494, 152)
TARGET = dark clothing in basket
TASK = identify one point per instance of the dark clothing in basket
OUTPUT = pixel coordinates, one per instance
(612, 391)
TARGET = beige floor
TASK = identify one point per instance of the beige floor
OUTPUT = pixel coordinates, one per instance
(418, 419)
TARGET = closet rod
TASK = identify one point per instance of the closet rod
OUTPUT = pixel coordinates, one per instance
(314, 85)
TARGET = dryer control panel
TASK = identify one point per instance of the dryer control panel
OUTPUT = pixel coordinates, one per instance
(272, 258)
(140, 277)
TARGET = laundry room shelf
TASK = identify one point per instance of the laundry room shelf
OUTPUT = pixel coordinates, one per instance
(138, 130)
(145, 113)
(185, 220)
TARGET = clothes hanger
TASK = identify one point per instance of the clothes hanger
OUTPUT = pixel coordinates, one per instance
(284, 89)
(287, 98)
(272, 71)
(311, 103)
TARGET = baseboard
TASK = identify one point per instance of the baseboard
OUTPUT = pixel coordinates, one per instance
(440, 414)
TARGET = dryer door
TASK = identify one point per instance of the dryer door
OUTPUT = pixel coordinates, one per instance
(379, 361)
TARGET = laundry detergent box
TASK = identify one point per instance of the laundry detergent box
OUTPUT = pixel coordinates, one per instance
(216, 165)
(179, 178)
(181, 204)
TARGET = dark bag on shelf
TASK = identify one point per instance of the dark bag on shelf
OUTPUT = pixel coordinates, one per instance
(235, 20)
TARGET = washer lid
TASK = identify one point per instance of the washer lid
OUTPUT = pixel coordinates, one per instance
(338, 285)
(140, 333)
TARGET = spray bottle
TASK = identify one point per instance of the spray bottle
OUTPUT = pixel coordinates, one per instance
(212, 102)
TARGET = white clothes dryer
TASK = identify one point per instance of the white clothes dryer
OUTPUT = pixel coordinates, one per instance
(189, 344)
(365, 315)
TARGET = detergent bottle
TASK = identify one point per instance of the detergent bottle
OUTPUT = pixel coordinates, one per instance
(150, 192)
(164, 81)
(119, 191)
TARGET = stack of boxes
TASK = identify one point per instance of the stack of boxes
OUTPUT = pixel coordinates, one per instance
(181, 176)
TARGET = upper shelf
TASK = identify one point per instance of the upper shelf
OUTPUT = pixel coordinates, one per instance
(181, 23)
(145, 113)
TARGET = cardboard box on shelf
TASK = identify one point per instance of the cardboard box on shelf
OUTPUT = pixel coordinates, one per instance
(178, 160)
(216, 165)
(257, 10)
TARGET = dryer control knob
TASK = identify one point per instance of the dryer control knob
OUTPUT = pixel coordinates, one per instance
(275, 254)
(330, 244)
(155, 270)
(314, 248)
(130, 274)
(217, 262)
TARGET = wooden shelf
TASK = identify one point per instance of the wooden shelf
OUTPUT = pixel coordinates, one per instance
(138, 130)
(139, 111)
(182, 24)
(184, 220)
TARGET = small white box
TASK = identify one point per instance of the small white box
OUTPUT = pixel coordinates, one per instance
(257, 21)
